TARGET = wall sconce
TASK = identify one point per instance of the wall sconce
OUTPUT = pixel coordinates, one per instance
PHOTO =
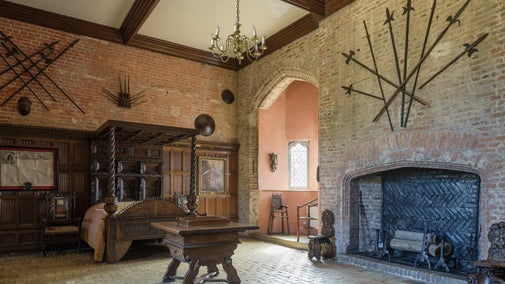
(273, 161)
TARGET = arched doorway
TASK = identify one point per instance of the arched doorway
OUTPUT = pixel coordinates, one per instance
(287, 116)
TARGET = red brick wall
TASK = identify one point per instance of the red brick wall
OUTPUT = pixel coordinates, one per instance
(176, 90)
(461, 127)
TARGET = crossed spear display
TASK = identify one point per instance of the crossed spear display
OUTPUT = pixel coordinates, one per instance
(403, 79)
(28, 68)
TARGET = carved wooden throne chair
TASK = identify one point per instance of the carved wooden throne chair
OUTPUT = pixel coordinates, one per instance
(323, 245)
(492, 270)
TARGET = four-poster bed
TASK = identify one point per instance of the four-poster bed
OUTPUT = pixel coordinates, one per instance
(132, 153)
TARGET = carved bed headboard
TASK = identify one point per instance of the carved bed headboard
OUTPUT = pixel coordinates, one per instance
(127, 159)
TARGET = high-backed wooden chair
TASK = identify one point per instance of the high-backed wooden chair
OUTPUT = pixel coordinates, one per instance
(61, 228)
(278, 210)
(492, 270)
(323, 245)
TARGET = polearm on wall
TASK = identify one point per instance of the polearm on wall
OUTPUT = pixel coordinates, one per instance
(14, 49)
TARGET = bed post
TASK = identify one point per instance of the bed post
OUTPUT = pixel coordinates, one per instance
(192, 197)
(111, 200)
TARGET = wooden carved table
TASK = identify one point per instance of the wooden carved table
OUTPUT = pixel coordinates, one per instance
(202, 241)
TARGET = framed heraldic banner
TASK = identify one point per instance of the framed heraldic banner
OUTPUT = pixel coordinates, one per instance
(28, 169)
(211, 175)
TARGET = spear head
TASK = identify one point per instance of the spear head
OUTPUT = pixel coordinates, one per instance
(408, 8)
(389, 17)
(348, 56)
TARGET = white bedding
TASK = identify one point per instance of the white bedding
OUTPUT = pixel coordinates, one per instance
(93, 228)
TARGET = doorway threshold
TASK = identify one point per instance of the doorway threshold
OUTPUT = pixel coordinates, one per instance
(283, 240)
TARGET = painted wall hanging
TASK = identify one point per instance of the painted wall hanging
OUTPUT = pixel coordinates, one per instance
(403, 75)
(27, 70)
(124, 99)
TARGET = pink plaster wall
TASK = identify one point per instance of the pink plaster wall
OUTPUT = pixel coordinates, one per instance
(289, 198)
(293, 116)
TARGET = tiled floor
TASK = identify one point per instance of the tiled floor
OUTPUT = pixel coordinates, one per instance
(256, 262)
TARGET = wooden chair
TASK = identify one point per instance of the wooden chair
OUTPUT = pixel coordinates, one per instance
(323, 245)
(492, 270)
(278, 210)
(61, 228)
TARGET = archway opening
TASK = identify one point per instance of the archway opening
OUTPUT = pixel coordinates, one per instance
(286, 118)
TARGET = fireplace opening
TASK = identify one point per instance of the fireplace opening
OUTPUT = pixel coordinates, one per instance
(436, 208)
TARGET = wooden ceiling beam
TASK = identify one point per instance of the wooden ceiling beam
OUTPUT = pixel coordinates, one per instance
(289, 34)
(55, 21)
(334, 5)
(313, 6)
(136, 17)
(141, 9)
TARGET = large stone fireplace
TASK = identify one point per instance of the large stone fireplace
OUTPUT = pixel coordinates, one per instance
(441, 203)
(388, 170)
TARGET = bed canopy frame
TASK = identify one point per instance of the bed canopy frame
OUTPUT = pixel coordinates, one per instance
(115, 133)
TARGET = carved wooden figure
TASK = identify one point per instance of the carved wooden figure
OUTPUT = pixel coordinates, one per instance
(492, 270)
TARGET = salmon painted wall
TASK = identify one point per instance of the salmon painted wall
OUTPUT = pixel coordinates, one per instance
(289, 198)
(293, 116)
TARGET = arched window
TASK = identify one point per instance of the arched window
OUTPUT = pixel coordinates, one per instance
(298, 152)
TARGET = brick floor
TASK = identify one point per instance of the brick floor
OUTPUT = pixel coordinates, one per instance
(256, 262)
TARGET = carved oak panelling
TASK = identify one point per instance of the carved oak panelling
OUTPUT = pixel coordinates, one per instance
(177, 169)
(22, 213)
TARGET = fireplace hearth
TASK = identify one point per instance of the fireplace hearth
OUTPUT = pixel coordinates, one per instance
(444, 203)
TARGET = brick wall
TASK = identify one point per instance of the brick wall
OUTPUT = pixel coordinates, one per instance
(461, 127)
(176, 90)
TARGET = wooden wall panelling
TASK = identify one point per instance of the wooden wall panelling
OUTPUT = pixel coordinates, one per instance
(177, 176)
(210, 204)
(7, 208)
(177, 170)
(22, 212)
(21, 220)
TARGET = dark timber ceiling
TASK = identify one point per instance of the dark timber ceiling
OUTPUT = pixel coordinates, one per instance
(137, 17)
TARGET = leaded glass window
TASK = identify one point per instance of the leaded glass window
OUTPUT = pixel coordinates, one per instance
(298, 164)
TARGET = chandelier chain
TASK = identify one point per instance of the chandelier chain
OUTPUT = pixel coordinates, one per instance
(238, 12)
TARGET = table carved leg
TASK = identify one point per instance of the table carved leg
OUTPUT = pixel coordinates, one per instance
(231, 272)
(194, 267)
(170, 275)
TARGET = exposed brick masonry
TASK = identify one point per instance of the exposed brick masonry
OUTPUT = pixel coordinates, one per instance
(176, 90)
(461, 128)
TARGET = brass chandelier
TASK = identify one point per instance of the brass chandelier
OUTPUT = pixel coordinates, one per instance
(236, 45)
